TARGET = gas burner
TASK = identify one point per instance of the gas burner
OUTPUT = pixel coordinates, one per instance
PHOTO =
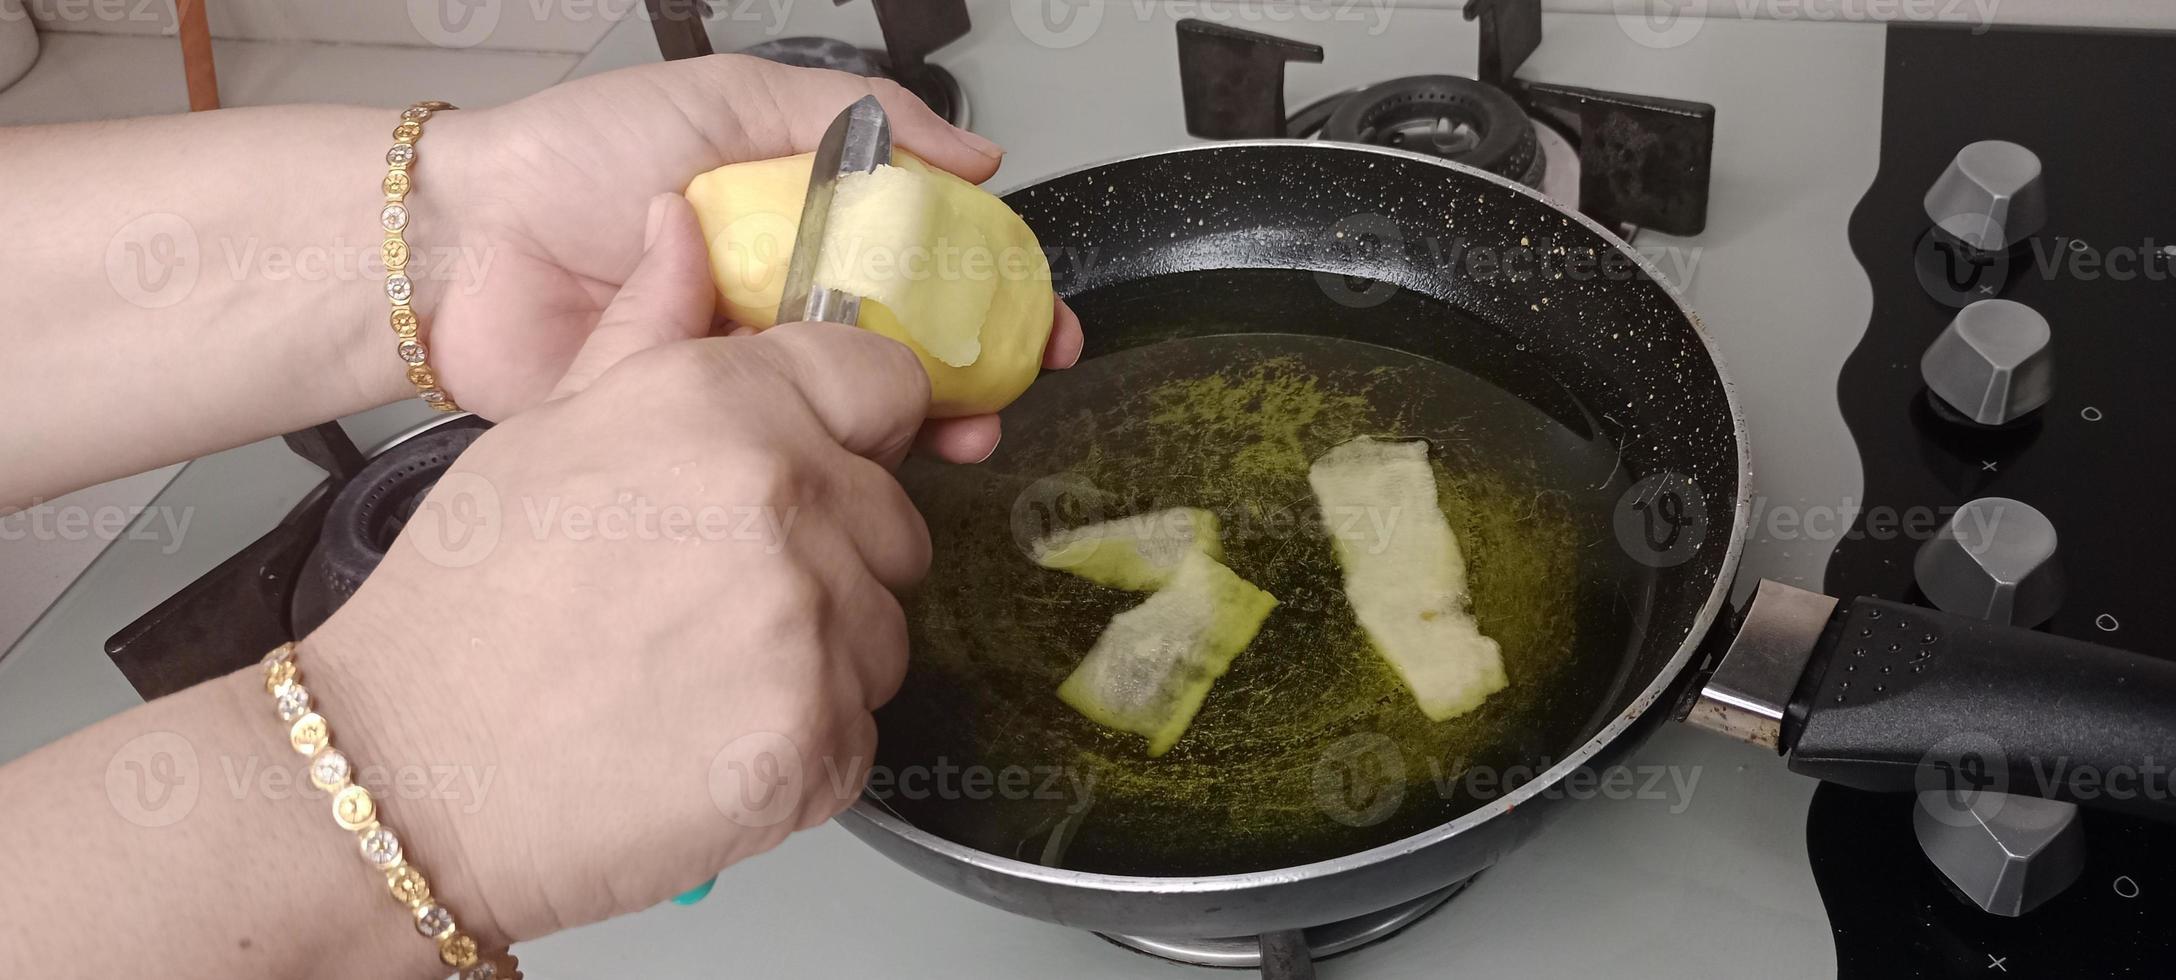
(1315, 943)
(1460, 119)
(1628, 161)
(935, 86)
(369, 512)
(912, 29)
(288, 581)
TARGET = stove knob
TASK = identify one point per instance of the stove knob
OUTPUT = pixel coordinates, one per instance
(1994, 560)
(1991, 196)
(1992, 364)
(2007, 854)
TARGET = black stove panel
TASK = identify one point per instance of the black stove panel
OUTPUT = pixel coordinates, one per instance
(1894, 916)
(2094, 106)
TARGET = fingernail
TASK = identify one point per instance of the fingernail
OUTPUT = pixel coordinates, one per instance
(993, 448)
(980, 144)
(656, 220)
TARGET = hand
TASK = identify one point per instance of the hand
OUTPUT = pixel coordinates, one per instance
(551, 192)
(642, 693)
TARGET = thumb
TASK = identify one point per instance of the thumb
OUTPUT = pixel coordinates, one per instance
(668, 297)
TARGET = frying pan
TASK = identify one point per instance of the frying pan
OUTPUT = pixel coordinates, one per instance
(1248, 303)
(1353, 263)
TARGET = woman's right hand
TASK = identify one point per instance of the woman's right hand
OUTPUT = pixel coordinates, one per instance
(652, 616)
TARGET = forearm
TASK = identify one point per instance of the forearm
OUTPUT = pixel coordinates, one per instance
(183, 284)
(183, 839)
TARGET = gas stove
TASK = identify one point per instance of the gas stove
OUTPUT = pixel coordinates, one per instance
(1802, 264)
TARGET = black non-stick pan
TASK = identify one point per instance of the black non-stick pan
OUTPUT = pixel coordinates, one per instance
(1249, 305)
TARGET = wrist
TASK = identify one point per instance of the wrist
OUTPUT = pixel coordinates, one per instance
(349, 927)
(428, 773)
(446, 252)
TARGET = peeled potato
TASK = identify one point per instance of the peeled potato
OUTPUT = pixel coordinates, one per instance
(941, 265)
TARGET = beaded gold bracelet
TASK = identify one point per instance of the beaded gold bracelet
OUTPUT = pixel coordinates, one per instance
(399, 288)
(355, 810)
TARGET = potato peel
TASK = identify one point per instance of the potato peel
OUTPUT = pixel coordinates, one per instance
(1404, 574)
(1153, 666)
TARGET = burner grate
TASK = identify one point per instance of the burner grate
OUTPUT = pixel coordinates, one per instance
(1628, 161)
(1315, 943)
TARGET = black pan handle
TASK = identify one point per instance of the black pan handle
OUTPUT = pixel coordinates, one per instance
(1904, 698)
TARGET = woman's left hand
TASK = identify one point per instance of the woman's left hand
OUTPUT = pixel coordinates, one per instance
(547, 199)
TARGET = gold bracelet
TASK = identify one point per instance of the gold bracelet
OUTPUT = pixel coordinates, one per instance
(399, 178)
(354, 810)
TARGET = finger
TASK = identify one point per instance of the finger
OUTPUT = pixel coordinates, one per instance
(886, 529)
(877, 643)
(1066, 339)
(803, 101)
(869, 391)
(959, 440)
(850, 763)
(668, 297)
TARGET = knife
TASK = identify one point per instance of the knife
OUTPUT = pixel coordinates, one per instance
(859, 140)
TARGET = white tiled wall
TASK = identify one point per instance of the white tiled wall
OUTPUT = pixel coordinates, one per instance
(577, 26)
(561, 26)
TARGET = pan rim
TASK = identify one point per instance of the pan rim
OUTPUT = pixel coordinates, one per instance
(872, 811)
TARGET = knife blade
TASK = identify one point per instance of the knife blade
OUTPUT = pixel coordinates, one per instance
(859, 139)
